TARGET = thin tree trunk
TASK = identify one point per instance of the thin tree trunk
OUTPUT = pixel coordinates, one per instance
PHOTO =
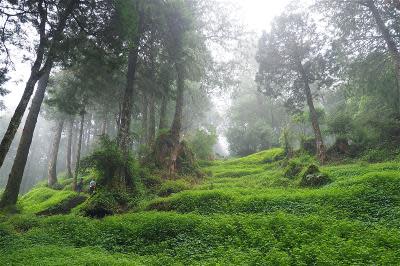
(104, 125)
(152, 119)
(69, 148)
(78, 151)
(88, 134)
(36, 72)
(145, 120)
(321, 153)
(11, 191)
(177, 122)
(74, 145)
(390, 42)
(163, 113)
(52, 169)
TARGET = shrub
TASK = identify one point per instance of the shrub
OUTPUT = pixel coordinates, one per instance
(376, 155)
(172, 186)
(106, 160)
(292, 169)
(312, 177)
(151, 182)
(105, 203)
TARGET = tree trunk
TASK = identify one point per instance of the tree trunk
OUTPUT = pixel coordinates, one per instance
(36, 71)
(177, 122)
(163, 113)
(88, 134)
(390, 42)
(145, 120)
(52, 169)
(152, 119)
(78, 151)
(124, 139)
(69, 148)
(11, 191)
(321, 153)
(104, 125)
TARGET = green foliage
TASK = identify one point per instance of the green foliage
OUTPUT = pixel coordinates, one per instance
(106, 160)
(43, 198)
(105, 203)
(202, 143)
(292, 169)
(172, 186)
(253, 218)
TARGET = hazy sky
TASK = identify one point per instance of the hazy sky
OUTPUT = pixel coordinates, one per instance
(255, 14)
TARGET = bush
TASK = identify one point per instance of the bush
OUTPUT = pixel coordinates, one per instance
(377, 155)
(292, 169)
(312, 177)
(105, 203)
(106, 160)
(151, 182)
(172, 186)
(315, 180)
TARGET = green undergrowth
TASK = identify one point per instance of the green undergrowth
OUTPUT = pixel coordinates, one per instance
(247, 211)
(171, 238)
(42, 198)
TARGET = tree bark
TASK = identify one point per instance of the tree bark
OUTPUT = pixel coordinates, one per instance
(152, 119)
(88, 134)
(78, 151)
(124, 138)
(390, 42)
(52, 169)
(11, 191)
(104, 125)
(321, 153)
(177, 122)
(163, 113)
(36, 71)
(145, 120)
(69, 148)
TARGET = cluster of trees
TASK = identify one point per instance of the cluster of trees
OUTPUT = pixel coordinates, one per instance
(123, 68)
(337, 78)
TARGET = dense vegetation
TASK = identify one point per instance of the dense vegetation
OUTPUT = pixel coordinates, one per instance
(162, 133)
(245, 212)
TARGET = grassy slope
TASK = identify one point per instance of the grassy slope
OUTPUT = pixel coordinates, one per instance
(247, 213)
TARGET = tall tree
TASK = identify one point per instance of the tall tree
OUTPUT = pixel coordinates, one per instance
(42, 64)
(52, 168)
(290, 61)
(11, 191)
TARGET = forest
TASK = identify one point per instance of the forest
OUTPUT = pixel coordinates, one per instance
(199, 132)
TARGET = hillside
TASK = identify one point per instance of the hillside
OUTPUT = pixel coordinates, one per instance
(246, 212)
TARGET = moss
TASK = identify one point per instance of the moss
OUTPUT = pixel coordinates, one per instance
(42, 198)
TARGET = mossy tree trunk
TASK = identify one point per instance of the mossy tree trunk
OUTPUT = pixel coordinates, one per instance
(52, 168)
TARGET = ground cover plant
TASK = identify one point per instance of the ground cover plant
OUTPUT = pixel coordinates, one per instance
(260, 218)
